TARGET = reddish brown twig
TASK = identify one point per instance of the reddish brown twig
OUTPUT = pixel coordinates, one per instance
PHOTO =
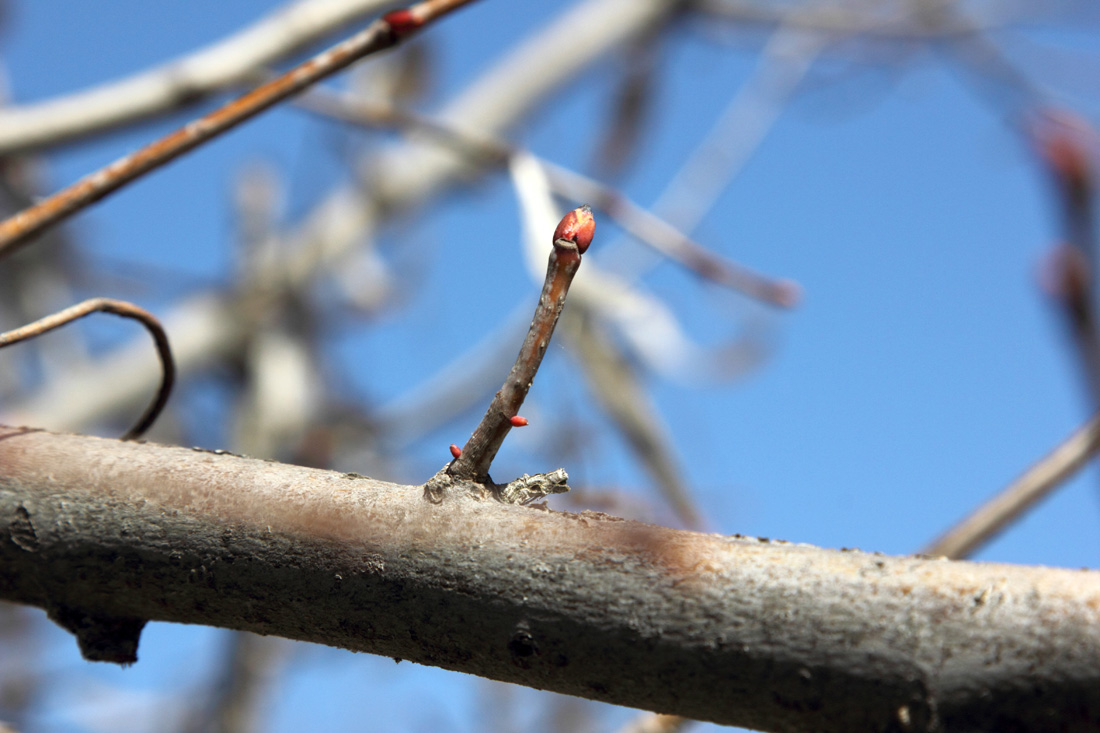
(119, 308)
(388, 31)
(571, 239)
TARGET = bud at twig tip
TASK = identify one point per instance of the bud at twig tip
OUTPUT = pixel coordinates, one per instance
(578, 226)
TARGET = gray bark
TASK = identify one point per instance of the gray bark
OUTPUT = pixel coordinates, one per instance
(107, 535)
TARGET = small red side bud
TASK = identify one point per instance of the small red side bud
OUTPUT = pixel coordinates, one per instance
(455, 450)
(577, 226)
(402, 22)
(517, 421)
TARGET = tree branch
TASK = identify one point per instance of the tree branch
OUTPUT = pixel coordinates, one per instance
(384, 33)
(207, 327)
(1046, 475)
(107, 535)
(234, 60)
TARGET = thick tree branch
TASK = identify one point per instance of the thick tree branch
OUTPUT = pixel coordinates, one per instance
(107, 535)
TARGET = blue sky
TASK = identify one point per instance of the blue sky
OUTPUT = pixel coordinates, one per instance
(923, 370)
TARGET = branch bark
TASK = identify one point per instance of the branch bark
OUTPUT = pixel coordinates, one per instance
(107, 535)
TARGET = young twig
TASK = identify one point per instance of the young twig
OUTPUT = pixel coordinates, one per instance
(388, 31)
(119, 308)
(985, 522)
(571, 239)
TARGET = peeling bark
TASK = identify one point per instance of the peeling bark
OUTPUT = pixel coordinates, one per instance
(107, 535)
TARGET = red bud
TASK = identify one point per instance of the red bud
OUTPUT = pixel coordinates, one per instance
(516, 420)
(577, 226)
(403, 22)
(455, 450)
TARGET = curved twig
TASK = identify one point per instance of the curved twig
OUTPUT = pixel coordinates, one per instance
(119, 308)
(384, 33)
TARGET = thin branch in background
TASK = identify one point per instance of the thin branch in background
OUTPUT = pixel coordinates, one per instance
(384, 33)
(646, 227)
(631, 106)
(513, 87)
(571, 239)
(41, 282)
(904, 21)
(663, 237)
(1067, 277)
(784, 62)
(988, 520)
(208, 327)
(119, 308)
(614, 384)
(186, 80)
(1063, 143)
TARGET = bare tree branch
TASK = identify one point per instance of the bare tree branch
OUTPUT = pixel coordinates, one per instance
(988, 520)
(232, 61)
(384, 33)
(107, 535)
(209, 326)
(646, 227)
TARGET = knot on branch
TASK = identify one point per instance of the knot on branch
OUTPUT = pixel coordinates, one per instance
(527, 489)
(101, 638)
(522, 490)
